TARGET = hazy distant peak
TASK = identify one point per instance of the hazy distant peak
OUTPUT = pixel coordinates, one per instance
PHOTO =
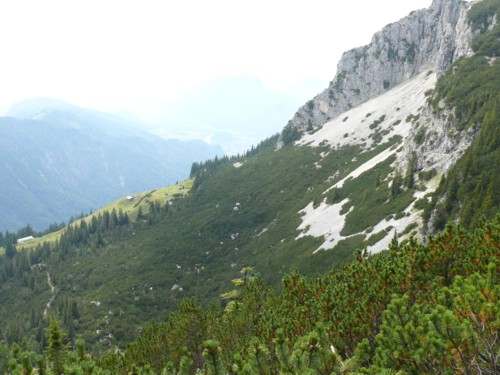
(29, 108)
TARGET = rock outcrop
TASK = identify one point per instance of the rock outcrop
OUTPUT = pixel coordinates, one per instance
(427, 39)
(434, 143)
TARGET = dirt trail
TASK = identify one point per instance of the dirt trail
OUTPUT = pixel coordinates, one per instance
(52, 295)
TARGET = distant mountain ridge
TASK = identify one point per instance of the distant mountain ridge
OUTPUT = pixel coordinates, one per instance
(235, 112)
(59, 160)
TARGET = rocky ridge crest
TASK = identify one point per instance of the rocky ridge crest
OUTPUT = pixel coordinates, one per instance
(427, 39)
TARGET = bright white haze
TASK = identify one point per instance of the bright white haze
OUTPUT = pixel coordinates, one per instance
(144, 56)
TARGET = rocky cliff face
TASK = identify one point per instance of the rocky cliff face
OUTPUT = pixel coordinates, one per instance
(433, 142)
(428, 39)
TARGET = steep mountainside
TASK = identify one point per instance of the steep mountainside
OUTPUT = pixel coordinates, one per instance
(400, 162)
(428, 39)
(62, 160)
(434, 133)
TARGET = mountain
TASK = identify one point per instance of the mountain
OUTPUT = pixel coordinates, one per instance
(391, 167)
(59, 160)
(427, 39)
(235, 112)
(394, 80)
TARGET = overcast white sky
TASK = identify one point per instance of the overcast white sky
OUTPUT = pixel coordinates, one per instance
(121, 54)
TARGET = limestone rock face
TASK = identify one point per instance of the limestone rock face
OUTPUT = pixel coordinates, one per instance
(434, 143)
(427, 39)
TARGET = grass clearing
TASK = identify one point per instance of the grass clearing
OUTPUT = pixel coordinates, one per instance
(129, 206)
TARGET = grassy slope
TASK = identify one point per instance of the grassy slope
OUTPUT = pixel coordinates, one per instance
(238, 215)
(130, 207)
(203, 242)
(244, 214)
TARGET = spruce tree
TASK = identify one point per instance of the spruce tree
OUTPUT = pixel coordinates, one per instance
(56, 351)
(10, 250)
(213, 360)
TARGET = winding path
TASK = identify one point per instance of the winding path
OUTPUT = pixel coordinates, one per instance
(52, 296)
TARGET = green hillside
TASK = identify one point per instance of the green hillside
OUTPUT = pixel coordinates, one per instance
(242, 211)
(414, 309)
(59, 163)
(133, 206)
(218, 273)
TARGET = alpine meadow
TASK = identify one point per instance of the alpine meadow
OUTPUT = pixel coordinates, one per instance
(364, 238)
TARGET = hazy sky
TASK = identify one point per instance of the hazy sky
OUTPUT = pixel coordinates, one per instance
(122, 54)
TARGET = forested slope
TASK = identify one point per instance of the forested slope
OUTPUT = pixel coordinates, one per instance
(415, 309)
(231, 278)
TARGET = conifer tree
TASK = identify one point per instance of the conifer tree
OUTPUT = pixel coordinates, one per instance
(26, 363)
(140, 215)
(56, 351)
(282, 352)
(213, 360)
(10, 250)
(410, 173)
(257, 359)
(396, 185)
(185, 365)
(40, 362)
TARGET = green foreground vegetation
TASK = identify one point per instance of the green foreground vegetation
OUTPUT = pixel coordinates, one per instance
(414, 309)
(153, 285)
(138, 265)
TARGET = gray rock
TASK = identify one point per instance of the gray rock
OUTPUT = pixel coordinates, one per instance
(434, 142)
(427, 39)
